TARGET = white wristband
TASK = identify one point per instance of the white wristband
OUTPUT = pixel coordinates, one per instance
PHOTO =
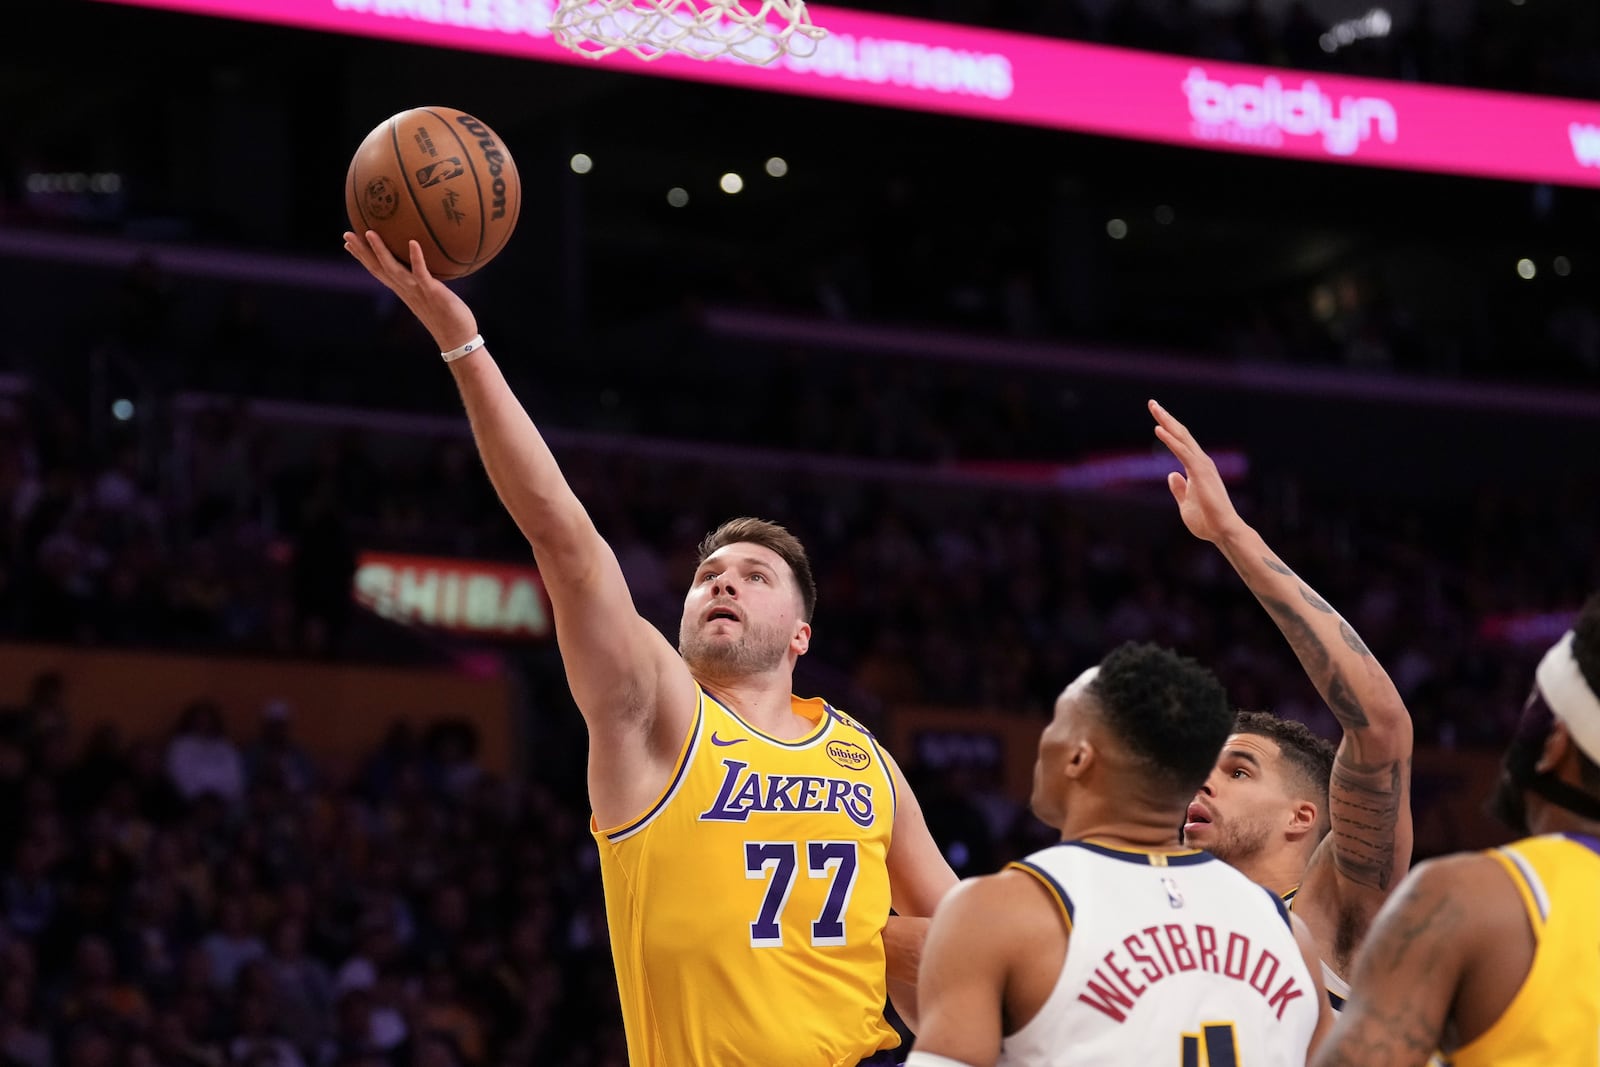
(928, 1059)
(465, 350)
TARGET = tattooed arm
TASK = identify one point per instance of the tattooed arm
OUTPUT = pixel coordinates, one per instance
(1447, 952)
(1369, 848)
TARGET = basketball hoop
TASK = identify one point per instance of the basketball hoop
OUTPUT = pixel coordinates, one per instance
(754, 31)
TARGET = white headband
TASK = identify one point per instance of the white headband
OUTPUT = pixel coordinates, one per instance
(1569, 697)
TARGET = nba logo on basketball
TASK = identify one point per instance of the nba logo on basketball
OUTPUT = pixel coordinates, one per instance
(439, 171)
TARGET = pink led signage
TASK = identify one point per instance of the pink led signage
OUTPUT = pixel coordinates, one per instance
(987, 74)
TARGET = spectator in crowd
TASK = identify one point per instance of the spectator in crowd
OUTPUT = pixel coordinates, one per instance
(202, 760)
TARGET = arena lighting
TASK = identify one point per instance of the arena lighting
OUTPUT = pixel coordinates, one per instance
(678, 196)
(1010, 77)
(1529, 628)
(777, 166)
(1110, 471)
(730, 183)
(1375, 23)
(1526, 270)
(581, 164)
(103, 184)
(1562, 266)
(1116, 229)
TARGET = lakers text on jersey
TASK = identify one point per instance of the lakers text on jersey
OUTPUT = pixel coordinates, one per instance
(747, 905)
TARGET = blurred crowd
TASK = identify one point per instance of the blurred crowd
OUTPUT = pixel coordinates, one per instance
(968, 595)
(200, 900)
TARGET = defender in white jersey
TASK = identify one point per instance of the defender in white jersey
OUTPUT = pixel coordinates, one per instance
(1119, 946)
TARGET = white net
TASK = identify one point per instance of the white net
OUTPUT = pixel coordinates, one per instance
(755, 31)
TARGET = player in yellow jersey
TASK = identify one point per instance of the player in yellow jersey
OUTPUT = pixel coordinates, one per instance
(1328, 832)
(752, 844)
(1493, 958)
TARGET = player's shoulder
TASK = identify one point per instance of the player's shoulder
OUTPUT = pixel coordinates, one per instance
(850, 722)
(1442, 878)
(1450, 896)
(1442, 874)
(1009, 894)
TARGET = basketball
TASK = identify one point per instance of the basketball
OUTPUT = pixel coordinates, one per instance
(440, 177)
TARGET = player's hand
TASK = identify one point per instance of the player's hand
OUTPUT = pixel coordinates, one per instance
(441, 312)
(1203, 502)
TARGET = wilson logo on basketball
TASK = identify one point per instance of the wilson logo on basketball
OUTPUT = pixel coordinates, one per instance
(441, 171)
(494, 157)
(847, 755)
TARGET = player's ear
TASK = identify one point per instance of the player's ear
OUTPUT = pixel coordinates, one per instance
(1557, 746)
(1303, 819)
(801, 641)
(1081, 755)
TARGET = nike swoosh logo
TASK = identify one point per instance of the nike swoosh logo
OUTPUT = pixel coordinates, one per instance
(715, 740)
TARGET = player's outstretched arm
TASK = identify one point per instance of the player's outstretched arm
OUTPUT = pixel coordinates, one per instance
(1410, 967)
(1369, 849)
(962, 981)
(627, 680)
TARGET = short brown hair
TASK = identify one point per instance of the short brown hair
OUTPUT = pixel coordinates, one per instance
(1310, 758)
(767, 535)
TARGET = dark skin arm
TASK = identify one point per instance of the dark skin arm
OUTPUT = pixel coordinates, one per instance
(1452, 946)
(993, 954)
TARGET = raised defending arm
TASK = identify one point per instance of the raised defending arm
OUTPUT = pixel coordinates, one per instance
(1369, 848)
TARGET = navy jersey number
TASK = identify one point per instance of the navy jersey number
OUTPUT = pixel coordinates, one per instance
(778, 862)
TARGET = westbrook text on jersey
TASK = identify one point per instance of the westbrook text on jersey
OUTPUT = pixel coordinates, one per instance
(1173, 948)
(745, 792)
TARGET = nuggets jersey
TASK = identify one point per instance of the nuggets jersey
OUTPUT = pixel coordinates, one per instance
(1337, 988)
(1554, 1020)
(1173, 958)
(747, 905)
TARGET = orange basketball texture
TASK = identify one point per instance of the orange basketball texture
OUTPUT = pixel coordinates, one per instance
(440, 177)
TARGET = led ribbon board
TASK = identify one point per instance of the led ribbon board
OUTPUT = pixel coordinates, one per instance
(1008, 77)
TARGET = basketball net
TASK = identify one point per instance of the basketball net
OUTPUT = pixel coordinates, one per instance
(754, 31)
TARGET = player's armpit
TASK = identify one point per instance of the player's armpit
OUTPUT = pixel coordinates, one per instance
(962, 980)
(1407, 973)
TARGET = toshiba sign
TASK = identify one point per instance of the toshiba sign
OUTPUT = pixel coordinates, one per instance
(463, 596)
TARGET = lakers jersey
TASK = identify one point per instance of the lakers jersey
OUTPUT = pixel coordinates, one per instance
(1554, 1020)
(1172, 958)
(747, 905)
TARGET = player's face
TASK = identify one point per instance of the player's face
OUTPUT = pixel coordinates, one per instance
(1068, 726)
(743, 612)
(1244, 801)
